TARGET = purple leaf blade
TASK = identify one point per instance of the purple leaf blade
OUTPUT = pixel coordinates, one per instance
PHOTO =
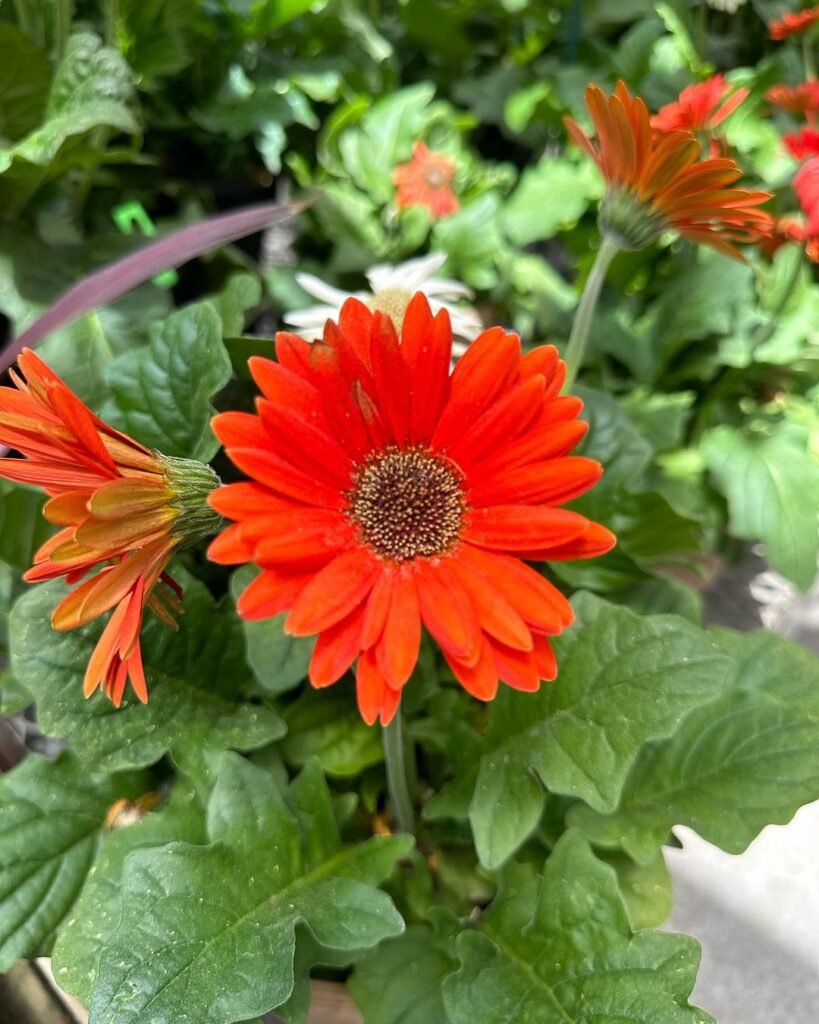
(116, 279)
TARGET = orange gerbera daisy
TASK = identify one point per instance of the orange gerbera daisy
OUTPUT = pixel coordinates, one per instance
(426, 180)
(656, 181)
(800, 100)
(791, 24)
(700, 107)
(120, 505)
(388, 494)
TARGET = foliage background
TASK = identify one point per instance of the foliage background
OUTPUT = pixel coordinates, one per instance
(703, 395)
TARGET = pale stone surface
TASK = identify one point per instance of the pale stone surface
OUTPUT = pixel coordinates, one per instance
(757, 917)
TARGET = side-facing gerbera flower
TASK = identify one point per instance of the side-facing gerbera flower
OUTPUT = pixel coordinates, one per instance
(701, 107)
(792, 24)
(800, 100)
(121, 506)
(391, 288)
(656, 181)
(426, 180)
(388, 494)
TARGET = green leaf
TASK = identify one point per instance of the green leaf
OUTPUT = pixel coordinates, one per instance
(51, 815)
(24, 79)
(622, 680)
(280, 862)
(733, 766)
(550, 197)
(661, 417)
(772, 487)
(162, 394)
(616, 442)
(561, 949)
(22, 528)
(92, 89)
(279, 661)
(241, 293)
(327, 724)
(189, 676)
(400, 982)
(96, 914)
(384, 137)
(473, 241)
(646, 888)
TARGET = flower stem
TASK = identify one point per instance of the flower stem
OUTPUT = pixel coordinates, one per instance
(807, 55)
(395, 755)
(576, 348)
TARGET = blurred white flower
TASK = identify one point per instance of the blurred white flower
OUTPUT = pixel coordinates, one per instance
(391, 288)
(729, 6)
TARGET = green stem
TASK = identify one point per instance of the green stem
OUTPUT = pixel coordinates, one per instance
(111, 22)
(63, 13)
(395, 755)
(576, 348)
(807, 54)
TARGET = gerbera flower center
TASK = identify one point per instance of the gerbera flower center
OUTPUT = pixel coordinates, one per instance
(408, 503)
(393, 302)
(436, 177)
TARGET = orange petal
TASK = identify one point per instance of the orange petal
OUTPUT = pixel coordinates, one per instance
(333, 593)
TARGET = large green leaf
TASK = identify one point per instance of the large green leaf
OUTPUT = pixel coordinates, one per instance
(772, 487)
(561, 950)
(162, 395)
(279, 861)
(623, 680)
(92, 89)
(279, 661)
(384, 137)
(24, 80)
(51, 815)
(400, 982)
(22, 528)
(551, 196)
(96, 914)
(746, 760)
(191, 675)
(327, 724)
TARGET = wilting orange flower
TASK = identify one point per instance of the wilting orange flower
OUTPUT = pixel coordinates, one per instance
(800, 100)
(802, 144)
(700, 108)
(790, 24)
(655, 180)
(426, 180)
(120, 505)
(387, 494)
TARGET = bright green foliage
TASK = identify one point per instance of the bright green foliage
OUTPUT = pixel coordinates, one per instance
(735, 765)
(91, 90)
(561, 949)
(623, 680)
(772, 487)
(24, 80)
(51, 816)
(95, 916)
(190, 675)
(401, 981)
(279, 661)
(162, 396)
(327, 725)
(275, 860)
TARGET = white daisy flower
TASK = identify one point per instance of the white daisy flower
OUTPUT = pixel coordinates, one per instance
(391, 288)
(729, 6)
